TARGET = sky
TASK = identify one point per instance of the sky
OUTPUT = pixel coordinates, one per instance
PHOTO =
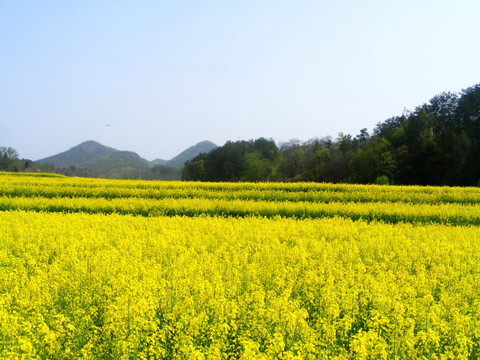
(156, 77)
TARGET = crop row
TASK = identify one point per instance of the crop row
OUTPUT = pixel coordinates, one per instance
(453, 214)
(30, 186)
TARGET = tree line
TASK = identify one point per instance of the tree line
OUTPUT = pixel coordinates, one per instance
(10, 161)
(436, 144)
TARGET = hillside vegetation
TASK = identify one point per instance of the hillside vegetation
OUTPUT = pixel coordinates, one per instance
(96, 160)
(188, 154)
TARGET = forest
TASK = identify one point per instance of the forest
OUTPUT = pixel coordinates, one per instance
(436, 144)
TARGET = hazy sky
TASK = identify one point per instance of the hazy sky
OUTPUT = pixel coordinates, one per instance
(167, 74)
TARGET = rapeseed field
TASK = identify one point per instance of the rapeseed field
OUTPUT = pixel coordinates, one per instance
(110, 269)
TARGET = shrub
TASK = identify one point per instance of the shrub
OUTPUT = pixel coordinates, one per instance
(382, 180)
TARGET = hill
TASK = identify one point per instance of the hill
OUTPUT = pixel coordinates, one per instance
(102, 161)
(79, 155)
(188, 154)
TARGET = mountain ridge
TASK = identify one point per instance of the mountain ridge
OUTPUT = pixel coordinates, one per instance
(105, 161)
(189, 153)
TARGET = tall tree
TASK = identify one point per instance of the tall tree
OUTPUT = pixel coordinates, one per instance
(8, 159)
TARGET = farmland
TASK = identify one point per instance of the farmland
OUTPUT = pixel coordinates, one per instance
(108, 269)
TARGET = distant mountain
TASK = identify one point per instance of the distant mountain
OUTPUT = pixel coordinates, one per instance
(103, 161)
(158, 162)
(79, 154)
(188, 154)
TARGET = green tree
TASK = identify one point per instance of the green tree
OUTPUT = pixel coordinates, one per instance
(252, 160)
(382, 180)
(468, 114)
(317, 168)
(194, 170)
(371, 161)
(8, 159)
(256, 168)
(344, 142)
(293, 164)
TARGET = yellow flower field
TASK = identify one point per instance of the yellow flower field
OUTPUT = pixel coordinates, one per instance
(261, 284)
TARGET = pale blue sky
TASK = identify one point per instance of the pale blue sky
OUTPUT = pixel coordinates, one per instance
(166, 75)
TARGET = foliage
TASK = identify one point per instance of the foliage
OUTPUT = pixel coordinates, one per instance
(9, 160)
(382, 180)
(253, 160)
(165, 172)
